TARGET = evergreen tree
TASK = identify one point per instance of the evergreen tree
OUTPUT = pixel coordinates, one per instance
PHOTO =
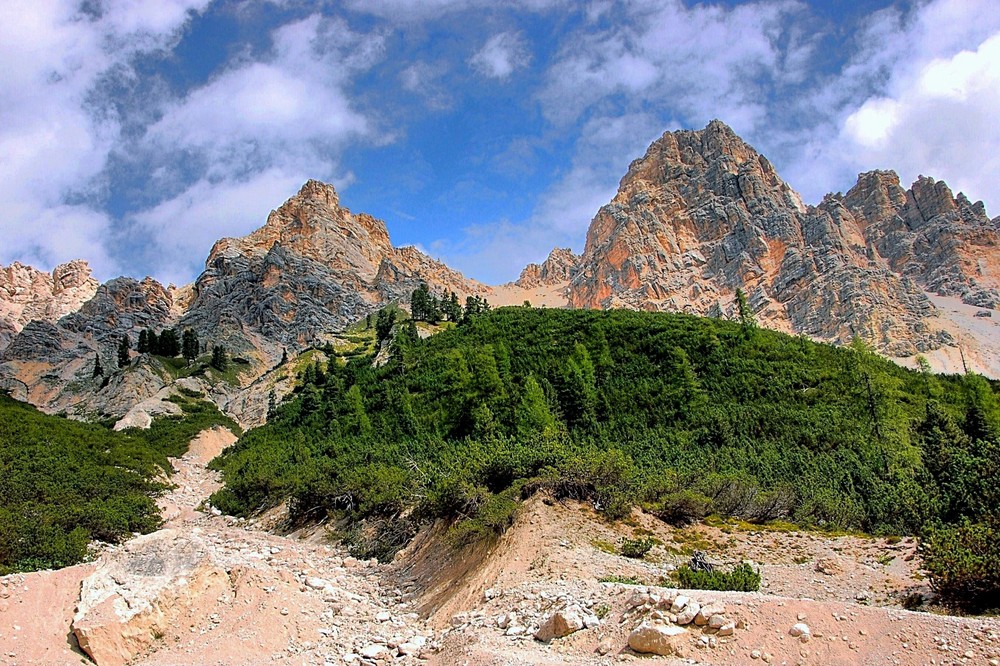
(98, 370)
(272, 405)
(420, 302)
(368, 321)
(169, 344)
(123, 355)
(152, 341)
(452, 308)
(143, 346)
(220, 359)
(190, 345)
(747, 319)
(383, 325)
(284, 357)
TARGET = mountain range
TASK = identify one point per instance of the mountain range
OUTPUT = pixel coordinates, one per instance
(701, 215)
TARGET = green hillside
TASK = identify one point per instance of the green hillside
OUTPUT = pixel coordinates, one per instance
(64, 483)
(683, 415)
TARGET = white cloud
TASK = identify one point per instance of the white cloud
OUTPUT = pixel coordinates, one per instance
(54, 143)
(251, 136)
(501, 56)
(920, 98)
(185, 227)
(422, 10)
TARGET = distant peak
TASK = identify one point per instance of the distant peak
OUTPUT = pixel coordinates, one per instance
(316, 190)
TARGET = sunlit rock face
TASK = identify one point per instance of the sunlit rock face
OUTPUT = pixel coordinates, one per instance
(703, 214)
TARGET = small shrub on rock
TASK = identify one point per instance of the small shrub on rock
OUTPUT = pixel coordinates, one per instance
(742, 578)
(636, 548)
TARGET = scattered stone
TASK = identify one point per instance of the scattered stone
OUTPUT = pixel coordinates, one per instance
(559, 624)
(660, 639)
(687, 615)
(801, 631)
(830, 566)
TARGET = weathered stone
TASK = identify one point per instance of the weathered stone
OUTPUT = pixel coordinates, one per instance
(138, 593)
(559, 624)
(660, 639)
(690, 611)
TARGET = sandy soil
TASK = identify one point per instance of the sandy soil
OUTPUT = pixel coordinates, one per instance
(979, 338)
(552, 296)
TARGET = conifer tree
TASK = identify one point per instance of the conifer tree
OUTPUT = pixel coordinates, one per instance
(143, 346)
(98, 370)
(190, 345)
(220, 359)
(152, 341)
(123, 355)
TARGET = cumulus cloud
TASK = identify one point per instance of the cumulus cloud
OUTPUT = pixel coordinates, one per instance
(501, 56)
(252, 135)
(940, 121)
(918, 97)
(422, 10)
(54, 140)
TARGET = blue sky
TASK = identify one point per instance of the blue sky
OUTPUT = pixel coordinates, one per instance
(134, 133)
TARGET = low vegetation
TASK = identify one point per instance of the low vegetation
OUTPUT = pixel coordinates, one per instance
(65, 483)
(685, 416)
(743, 578)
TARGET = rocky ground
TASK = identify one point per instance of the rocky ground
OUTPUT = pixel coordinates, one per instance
(209, 589)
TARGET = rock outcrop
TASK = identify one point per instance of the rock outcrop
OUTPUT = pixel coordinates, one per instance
(137, 594)
(702, 214)
(27, 294)
(558, 267)
(51, 365)
(312, 269)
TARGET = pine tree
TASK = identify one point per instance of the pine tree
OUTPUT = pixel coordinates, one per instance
(272, 405)
(169, 345)
(98, 370)
(123, 352)
(284, 357)
(220, 360)
(153, 341)
(383, 325)
(143, 346)
(190, 345)
(747, 319)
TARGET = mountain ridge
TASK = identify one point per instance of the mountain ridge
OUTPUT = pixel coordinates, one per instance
(699, 216)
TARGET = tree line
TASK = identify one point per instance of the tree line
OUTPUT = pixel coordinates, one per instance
(168, 344)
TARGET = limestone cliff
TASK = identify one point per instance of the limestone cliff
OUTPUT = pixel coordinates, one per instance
(558, 267)
(27, 294)
(312, 269)
(703, 214)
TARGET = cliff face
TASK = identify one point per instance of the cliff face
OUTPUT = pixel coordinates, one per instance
(558, 267)
(702, 214)
(27, 294)
(51, 365)
(312, 269)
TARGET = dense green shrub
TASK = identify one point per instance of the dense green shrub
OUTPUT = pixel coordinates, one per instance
(742, 578)
(683, 415)
(636, 548)
(963, 563)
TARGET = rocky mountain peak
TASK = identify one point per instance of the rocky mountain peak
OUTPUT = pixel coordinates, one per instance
(703, 214)
(558, 267)
(28, 294)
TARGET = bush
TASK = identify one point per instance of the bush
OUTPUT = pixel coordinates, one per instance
(741, 579)
(636, 548)
(681, 508)
(963, 564)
